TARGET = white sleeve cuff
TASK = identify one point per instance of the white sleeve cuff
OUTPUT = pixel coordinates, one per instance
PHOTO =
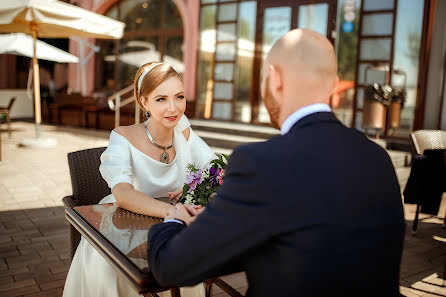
(121, 179)
(173, 221)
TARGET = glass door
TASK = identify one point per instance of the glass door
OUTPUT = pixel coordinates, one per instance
(276, 23)
(274, 19)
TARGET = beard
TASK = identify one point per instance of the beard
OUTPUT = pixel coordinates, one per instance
(272, 106)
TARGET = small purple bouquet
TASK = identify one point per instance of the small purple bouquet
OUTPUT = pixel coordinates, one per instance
(202, 184)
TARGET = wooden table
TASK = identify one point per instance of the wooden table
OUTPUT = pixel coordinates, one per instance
(103, 226)
(132, 264)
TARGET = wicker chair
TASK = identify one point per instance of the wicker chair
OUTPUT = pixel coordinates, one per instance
(428, 171)
(6, 110)
(428, 140)
(88, 185)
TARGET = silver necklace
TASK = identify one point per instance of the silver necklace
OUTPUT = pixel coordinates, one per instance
(164, 157)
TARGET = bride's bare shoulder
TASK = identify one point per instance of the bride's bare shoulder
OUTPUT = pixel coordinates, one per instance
(130, 132)
(186, 133)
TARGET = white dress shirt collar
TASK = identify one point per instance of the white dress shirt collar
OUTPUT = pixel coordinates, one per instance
(301, 113)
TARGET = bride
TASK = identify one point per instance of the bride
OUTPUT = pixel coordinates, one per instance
(142, 162)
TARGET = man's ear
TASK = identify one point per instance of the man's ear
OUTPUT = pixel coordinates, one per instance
(276, 81)
(335, 84)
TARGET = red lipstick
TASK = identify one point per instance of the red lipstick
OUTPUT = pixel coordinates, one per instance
(172, 119)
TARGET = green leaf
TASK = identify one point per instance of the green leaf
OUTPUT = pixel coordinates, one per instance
(226, 158)
(186, 188)
(219, 163)
(192, 168)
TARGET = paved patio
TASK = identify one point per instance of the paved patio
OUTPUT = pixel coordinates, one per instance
(34, 233)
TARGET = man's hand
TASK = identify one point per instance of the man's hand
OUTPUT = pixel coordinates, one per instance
(184, 212)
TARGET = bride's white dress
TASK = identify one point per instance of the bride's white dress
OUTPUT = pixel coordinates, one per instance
(90, 275)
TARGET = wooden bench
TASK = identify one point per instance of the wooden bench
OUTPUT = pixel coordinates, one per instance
(87, 112)
(69, 105)
(6, 111)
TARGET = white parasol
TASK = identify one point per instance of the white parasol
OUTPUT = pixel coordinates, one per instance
(53, 19)
(22, 45)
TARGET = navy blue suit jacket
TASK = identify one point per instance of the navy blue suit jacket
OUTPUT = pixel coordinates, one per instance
(310, 213)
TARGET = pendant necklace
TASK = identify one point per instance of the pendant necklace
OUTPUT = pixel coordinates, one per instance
(164, 158)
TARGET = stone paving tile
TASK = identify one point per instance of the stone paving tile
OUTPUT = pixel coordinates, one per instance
(53, 284)
(13, 271)
(425, 287)
(3, 265)
(15, 285)
(20, 291)
(34, 247)
(47, 293)
(6, 279)
(24, 276)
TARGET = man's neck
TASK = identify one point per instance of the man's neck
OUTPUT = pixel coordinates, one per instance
(300, 113)
(293, 104)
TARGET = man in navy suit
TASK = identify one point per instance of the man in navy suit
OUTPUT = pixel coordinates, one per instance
(316, 211)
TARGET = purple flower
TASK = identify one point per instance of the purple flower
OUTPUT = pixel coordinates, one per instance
(213, 176)
(193, 179)
(213, 171)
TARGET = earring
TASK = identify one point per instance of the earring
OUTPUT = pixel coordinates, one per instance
(148, 114)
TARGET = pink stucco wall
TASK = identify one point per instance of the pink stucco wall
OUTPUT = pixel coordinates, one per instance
(190, 12)
(74, 83)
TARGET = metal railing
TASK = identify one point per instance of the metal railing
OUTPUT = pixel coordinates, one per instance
(115, 103)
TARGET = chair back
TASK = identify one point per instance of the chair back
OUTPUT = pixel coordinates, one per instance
(11, 103)
(88, 185)
(428, 140)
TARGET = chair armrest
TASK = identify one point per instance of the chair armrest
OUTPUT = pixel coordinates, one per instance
(68, 201)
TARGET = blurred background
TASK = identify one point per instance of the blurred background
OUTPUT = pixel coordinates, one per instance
(219, 45)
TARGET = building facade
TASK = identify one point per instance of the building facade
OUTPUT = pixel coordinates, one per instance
(219, 47)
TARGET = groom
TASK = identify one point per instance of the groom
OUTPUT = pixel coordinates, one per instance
(316, 211)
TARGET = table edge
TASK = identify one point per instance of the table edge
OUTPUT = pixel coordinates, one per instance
(141, 282)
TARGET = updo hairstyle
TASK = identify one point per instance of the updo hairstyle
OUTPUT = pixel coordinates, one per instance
(151, 80)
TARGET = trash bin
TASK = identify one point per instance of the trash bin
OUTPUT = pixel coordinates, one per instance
(397, 101)
(396, 105)
(383, 103)
(376, 100)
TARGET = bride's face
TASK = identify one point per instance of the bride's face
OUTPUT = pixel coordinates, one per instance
(166, 103)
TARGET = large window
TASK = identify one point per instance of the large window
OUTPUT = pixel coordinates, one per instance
(382, 46)
(369, 36)
(226, 54)
(228, 84)
(409, 23)
(346, 49)
(153, 32)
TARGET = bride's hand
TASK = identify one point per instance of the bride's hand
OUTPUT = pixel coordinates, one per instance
(175, 195)
(184, 212)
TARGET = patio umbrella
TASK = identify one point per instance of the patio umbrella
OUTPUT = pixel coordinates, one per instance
(138, 58)
(22, 45)
(53, 19)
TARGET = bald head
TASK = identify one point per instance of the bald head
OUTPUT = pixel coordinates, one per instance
(301, 69)
(302, 50)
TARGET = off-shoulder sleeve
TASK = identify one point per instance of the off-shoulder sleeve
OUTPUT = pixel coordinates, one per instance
(115, 165)
(182, 124)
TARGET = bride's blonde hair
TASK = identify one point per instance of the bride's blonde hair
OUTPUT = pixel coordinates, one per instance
(151, 80)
